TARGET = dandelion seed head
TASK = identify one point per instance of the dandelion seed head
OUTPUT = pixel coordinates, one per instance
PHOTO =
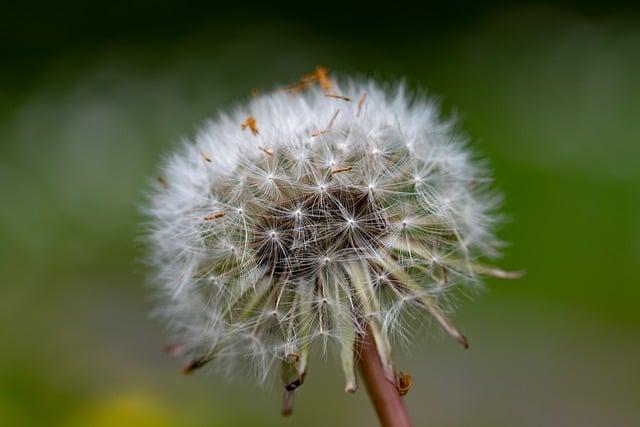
(319, 226)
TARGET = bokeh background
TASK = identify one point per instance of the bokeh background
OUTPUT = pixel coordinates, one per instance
(92, 94)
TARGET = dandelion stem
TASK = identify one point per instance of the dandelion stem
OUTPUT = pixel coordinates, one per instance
(383, 394)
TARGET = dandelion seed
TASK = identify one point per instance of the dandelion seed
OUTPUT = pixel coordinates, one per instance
(341, 97)
(162, 182)
(193, 365)
(213, 216)
(341, 169)
(328, 127)
(266, 151)
(361, 103)
(333, 119)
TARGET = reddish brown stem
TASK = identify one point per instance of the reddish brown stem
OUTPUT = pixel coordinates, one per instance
(383, 393)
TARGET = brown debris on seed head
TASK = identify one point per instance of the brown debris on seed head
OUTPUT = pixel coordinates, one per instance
(341, 169)
(319, 76)
(403, 383)
(194, 364)
(361, 103)
(251, 124)
(162, 182)
(333, 95)
(205, 157)
(215, 215)
(266, 151)
(325, 130)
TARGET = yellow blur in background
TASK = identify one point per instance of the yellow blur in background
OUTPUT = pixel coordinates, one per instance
(127, 409)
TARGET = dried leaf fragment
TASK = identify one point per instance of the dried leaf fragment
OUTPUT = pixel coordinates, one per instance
(162, 182)
(205, 157)
(333, 95)
(341, 169)
(266, 151)
(250, 123)
(403, 384)
(215, 215)
(361, 103)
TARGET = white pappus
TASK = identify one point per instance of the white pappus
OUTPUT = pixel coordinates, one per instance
(312, 216)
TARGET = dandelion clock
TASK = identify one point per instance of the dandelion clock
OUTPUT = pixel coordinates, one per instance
(325, 217)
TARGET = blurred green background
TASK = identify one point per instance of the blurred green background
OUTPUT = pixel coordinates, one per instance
(92, 95)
